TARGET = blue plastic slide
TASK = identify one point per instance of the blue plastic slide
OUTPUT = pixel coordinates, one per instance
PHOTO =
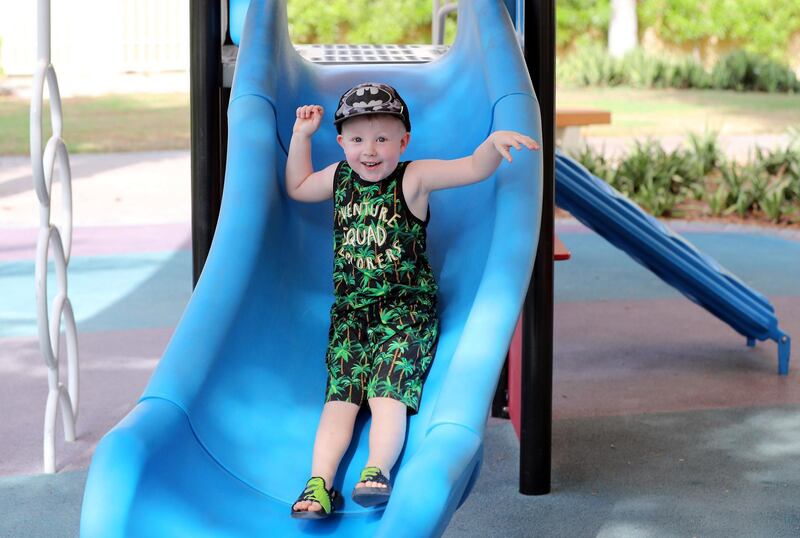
(220, 443)
(673, 259)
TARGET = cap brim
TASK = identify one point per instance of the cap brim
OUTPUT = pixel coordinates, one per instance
(397, 115)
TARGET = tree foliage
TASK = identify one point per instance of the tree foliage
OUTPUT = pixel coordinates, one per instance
(581, 20)
(763, 26)
(360, 21)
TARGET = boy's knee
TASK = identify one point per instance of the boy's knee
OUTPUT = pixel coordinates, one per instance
(382, 404)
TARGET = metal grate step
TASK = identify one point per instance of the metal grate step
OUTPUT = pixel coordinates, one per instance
(347, 54)
(360, 54)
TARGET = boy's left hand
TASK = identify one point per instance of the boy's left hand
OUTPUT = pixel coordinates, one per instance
(504, 140)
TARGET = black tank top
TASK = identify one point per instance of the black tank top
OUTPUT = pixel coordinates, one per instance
(379, 245)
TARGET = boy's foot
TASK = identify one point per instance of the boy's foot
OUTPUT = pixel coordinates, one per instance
(316, 501)
(306, 506)
(373, 488)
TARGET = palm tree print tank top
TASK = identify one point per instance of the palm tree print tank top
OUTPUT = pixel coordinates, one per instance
(379, 245)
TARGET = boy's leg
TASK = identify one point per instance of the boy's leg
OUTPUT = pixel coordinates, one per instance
(334, 433)
(395, 388)
(386, 435)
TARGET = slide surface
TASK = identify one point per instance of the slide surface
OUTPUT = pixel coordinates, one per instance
(673, 259)
(220, 443)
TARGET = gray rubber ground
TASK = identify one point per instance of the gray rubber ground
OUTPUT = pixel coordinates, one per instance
(665, 423)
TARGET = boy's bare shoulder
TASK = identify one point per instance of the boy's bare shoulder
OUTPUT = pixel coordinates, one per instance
(412, 179)
(429, 175)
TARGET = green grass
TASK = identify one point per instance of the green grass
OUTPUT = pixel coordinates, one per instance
(636, 112)
(135, 122)
(143, 122)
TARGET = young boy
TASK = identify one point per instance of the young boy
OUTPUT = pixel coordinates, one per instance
(384, 325)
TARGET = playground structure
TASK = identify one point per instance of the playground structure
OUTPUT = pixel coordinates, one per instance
(268, 274)
(221, 436)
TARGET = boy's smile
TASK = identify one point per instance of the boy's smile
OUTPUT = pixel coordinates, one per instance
(373, 144)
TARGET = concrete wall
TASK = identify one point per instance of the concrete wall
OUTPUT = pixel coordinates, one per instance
(98, 37)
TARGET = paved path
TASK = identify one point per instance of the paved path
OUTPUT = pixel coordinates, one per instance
(108, 189)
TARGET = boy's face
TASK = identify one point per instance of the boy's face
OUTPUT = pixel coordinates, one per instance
(373, 144)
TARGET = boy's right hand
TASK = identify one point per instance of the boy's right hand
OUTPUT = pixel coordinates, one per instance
(308, 119)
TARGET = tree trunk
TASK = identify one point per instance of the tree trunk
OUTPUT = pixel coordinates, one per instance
(623, 30)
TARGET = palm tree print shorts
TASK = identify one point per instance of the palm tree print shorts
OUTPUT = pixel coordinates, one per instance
(381, 350)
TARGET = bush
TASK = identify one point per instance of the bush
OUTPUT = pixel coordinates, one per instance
(706, 151)
(663, 183)
(641, 71)
(686, 73)
(590, 66)
(653, 178)
(740, 71)
(745, 71)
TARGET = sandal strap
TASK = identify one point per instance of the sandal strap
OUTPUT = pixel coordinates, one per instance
(315, 490)
(373, 474)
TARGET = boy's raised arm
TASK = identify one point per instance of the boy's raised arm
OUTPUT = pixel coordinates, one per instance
(302, 183)
(436, 174)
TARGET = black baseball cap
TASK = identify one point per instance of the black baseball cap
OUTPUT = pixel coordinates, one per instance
(371, 98)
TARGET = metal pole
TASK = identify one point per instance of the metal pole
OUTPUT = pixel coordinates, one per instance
(537, 329)
(205, 105)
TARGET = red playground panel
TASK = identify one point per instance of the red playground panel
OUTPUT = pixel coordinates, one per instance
(560, 252)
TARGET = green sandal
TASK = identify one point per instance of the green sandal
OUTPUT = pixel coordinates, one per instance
(315, 490)
(372, 496)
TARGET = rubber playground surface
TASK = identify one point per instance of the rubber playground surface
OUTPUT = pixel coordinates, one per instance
(666, 424)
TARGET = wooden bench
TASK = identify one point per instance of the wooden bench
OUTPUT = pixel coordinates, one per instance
(570, 121)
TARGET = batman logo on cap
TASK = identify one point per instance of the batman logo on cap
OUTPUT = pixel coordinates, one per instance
(368, 97)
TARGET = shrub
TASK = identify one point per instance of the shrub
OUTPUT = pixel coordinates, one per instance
(767, 186)
(745, 71)
(686, 73)
(591, 66)
(653, 178)
(706, 151)
(740, 71)
(597, 163)
(641, 71)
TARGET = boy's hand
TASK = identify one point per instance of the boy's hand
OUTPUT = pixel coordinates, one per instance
(503, 140)
(308, 119)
